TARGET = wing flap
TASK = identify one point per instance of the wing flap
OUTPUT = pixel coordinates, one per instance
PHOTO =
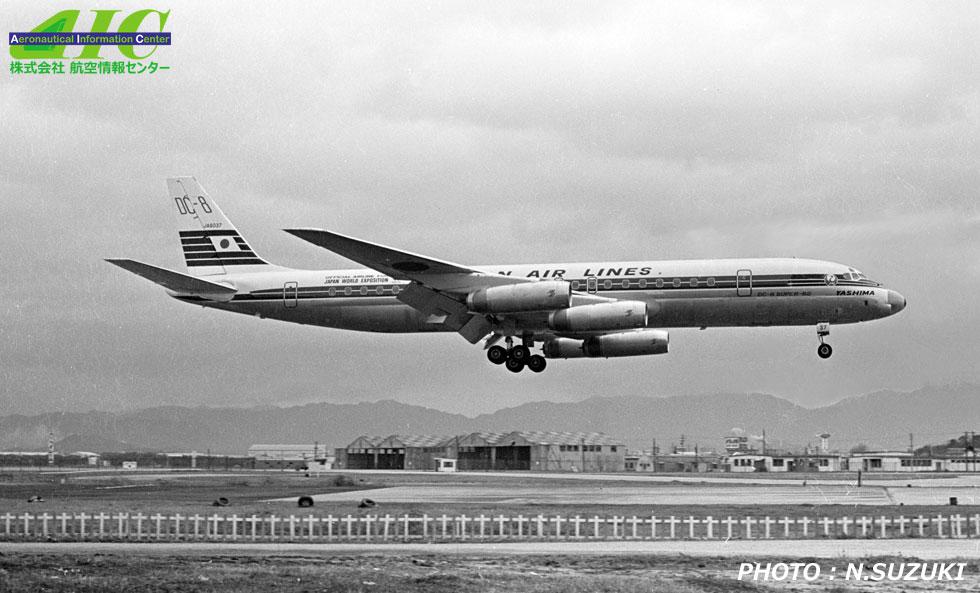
(177, 282)
(445, 310)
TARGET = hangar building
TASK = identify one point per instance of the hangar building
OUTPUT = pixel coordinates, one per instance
(487, 451)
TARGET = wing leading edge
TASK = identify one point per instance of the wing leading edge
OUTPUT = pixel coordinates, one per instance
(436, 288)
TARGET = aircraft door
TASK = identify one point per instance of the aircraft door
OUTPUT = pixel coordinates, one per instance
(290, 293)
(743, 283)
(591, 284)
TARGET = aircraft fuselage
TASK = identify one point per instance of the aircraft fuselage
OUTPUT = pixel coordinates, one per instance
(685, 293)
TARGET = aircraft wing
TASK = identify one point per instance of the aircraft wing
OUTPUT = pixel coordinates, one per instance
(403, 265)
(436, 288)
(177, 282)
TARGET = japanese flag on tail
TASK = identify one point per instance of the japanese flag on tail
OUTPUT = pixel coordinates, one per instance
(225, 244)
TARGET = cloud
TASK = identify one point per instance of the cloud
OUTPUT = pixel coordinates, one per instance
(489, 134)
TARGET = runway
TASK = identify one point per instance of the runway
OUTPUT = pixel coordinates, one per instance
(697, 490)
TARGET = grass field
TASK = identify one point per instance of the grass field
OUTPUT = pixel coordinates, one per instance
(250, 492)
(255, 493)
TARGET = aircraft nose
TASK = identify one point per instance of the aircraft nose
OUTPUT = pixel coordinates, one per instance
(896, 300)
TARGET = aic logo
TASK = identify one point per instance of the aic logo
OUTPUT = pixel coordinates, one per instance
(65, 21)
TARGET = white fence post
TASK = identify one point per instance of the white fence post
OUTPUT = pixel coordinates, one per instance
(921, 522)
(234, 526)
(158, 519)
(785, 522)
(805, 522)
(690, 525)
(44, 523)
(311, 521)
(709, 523)
(767, 523)
(122, 524)
(616, 521)
(729, 522)
(865, 523)
(64, 523)
(633, 523)
(595, 526)
(956, 525)
(139, 524)
(196, 522)
(902, 521)
(386, 520)
(405, 521)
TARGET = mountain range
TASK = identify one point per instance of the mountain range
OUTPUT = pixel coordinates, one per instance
(884, 419)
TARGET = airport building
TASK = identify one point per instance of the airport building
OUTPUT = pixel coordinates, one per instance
(677, 462)
(488, 451)
(894, 461)
(787, 462)
(286, 456)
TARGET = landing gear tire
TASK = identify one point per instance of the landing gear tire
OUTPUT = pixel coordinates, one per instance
(824, 350)
(537, 363)
(514, 365)
(497, 354)
(521, 353)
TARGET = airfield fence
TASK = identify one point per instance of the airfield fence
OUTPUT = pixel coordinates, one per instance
(457, 528)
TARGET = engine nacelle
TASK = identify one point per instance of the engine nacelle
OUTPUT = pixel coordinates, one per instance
(600, 317)
(514, 298)
(635, 343)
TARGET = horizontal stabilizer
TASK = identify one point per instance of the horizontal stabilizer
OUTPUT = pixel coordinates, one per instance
(177, 282)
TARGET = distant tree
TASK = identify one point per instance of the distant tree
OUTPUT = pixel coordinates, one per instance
(860, 448)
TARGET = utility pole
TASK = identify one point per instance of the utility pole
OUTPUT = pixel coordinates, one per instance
(763, 441)
(653, 455)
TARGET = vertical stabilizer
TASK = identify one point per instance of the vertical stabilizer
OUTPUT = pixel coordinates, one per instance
(210, 242)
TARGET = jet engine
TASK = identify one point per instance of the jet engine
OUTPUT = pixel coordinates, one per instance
(633, 343)
(600, 317)
(513, 298)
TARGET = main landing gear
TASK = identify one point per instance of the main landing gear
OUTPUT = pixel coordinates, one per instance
(823, 350)
(516, 358)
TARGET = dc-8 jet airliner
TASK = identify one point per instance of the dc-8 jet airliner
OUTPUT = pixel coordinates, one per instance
(573, 310)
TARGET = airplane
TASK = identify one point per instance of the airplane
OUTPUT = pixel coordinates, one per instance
(573, 310)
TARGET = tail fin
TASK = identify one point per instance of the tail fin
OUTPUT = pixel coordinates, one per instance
(211, 244)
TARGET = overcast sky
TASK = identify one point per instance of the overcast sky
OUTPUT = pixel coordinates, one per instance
(493, 133)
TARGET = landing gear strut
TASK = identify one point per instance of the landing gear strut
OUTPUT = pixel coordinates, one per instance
(823, 350)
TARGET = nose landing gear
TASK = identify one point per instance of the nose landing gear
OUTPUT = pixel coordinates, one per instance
(823, 350)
